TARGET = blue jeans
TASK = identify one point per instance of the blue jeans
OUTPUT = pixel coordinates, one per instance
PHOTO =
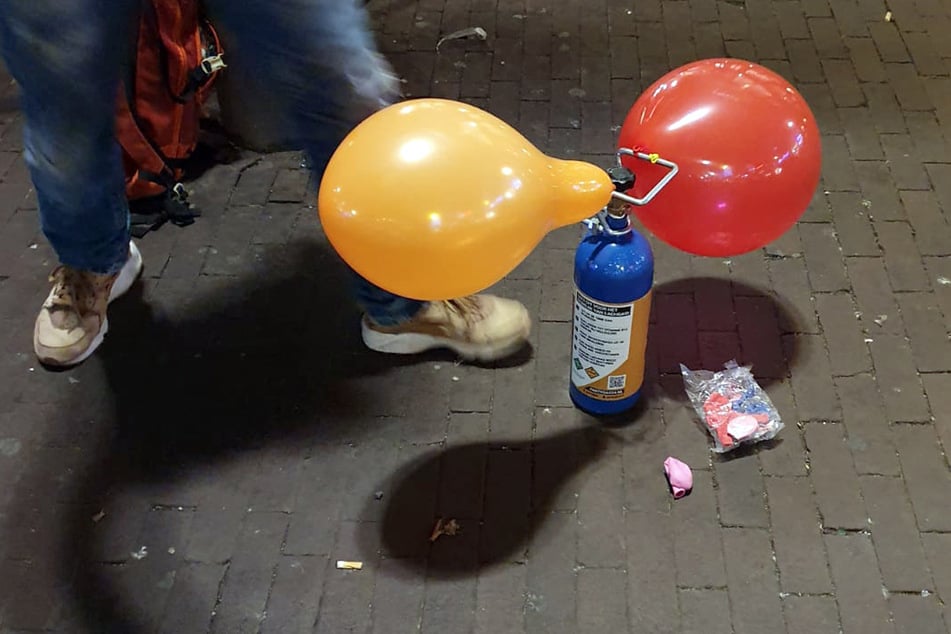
(317, 57)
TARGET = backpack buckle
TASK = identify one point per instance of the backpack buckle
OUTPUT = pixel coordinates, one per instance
(212, 64)
(178, 193)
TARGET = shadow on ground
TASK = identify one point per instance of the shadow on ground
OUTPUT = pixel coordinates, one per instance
(192, 379)
(497, 494)
(704, 322)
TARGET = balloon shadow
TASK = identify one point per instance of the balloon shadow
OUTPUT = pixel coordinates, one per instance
(494, 498)
(704, 322)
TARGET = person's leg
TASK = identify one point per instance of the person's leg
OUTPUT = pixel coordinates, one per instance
(320, 58)
(63, 56)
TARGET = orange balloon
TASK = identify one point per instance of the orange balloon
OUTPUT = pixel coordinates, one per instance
(434, 199)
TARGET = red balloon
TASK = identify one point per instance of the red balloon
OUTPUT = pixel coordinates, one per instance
(748, 149)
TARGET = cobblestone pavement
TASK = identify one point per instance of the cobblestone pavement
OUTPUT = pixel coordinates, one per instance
(232, 440)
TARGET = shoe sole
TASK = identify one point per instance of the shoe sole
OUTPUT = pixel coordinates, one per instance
(416, 343)
(127, 276)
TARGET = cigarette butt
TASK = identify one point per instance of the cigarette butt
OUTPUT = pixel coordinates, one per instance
(888, 16)
(349, 565)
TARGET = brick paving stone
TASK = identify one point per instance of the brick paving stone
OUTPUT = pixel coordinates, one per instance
(833, 477)
(651, 581)
(789, 456)
(551, 580)
(873, 296)
(884, 108)
(740, 492)
(698, 553)
(895, 534)
(752, 582)
(500, 599)
(804, 60)
(938, 549)
(750, 275)
(792, 287)
(926, 475)
(939, 174)
(930, 141)
(815, 395)
(686, 435)
(600, 512)
(827, 38)
(939, 270)
(797, 540)
(902, 260)
(848, 352)
(879, 192)
(192, 599)
(932, 231)
(906, 170)
(908, 87)
(869, 435)
(706, 611)
(898, 379)
(938, 391)
(507, 500)
(787, 245)
(449, 605)
(860, 133)
(808, 614)
(929, 340)
(247, 582)
(840, 74)
(294, 598)
(397, 598)
(854, 229)
(866, 60)
(347, 594)
(602, 599)
(862, 604)
(823, 257)
(838, 172)
(889, 42)
(916, 614)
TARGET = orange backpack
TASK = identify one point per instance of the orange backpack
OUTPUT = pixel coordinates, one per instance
(176, 56)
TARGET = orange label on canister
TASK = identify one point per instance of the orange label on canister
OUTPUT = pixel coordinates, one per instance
(608, 346)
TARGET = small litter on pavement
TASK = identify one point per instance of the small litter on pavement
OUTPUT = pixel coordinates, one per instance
(679, 477)
(140, 554)
(349, 565)
(461, 34)
(98, 516)
(732, 406)
(450, 528)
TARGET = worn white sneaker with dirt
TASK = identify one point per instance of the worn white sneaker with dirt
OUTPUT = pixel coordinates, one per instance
(477, 328)
(73, 321)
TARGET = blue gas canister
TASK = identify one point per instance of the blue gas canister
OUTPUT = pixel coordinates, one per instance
(614, 277)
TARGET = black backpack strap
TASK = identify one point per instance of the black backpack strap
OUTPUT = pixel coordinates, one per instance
(149, 214)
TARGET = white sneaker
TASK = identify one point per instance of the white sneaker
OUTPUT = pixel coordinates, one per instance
(73, 322)
(477, 328)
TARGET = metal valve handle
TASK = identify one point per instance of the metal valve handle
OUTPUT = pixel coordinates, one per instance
(652, 158)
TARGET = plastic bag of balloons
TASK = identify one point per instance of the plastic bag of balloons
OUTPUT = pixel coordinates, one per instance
(732, 406)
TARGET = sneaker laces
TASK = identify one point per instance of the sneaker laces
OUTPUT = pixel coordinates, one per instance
(469, 308)
(74, 290)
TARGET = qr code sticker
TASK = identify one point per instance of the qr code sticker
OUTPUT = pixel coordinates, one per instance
(617, 382)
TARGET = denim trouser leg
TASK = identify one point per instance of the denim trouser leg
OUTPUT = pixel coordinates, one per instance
(64, 57)
(318, 56)
(319, 59)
